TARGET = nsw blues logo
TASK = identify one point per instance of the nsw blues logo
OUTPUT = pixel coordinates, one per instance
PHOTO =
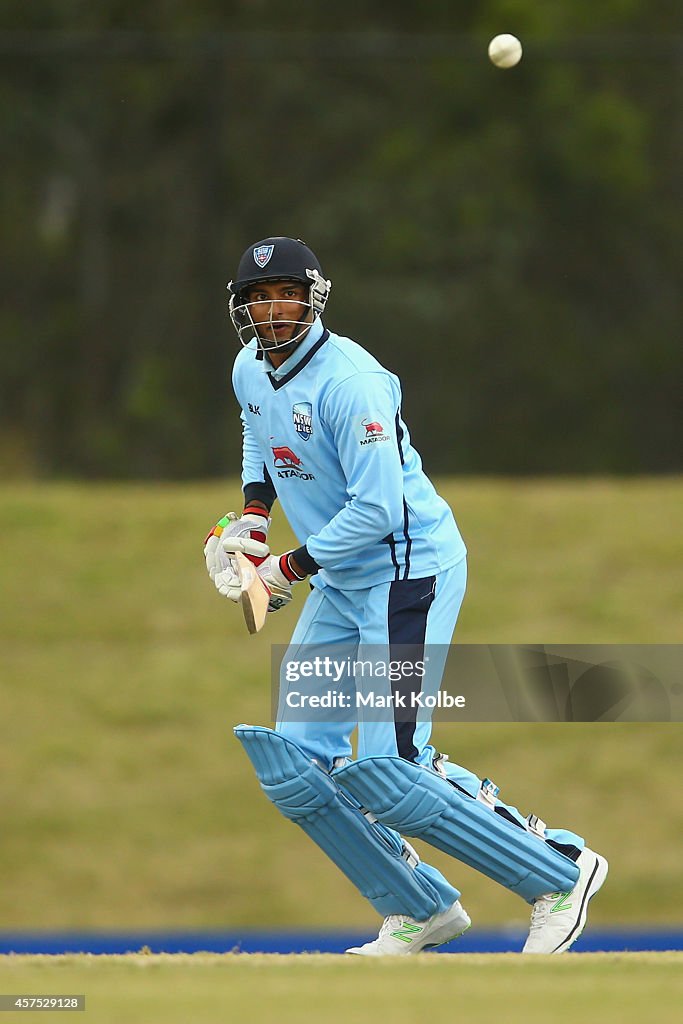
(302, 416)
(262, 254)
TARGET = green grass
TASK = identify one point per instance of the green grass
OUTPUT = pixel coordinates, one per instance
(127, 803)
(626, 988)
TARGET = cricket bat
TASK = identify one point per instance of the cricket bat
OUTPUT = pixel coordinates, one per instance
(255, 593)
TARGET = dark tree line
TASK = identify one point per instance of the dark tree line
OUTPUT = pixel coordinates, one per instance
(508, 242)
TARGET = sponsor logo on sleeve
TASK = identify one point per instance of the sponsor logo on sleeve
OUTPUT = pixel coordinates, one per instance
(371, 432)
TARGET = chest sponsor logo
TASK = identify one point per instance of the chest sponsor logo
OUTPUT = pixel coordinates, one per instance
(262, 254)
(372, 431)
(287, 464)
(302, 414)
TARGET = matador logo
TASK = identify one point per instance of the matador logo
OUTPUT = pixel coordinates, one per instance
(372, 428)
(374, 431)
(287, 464)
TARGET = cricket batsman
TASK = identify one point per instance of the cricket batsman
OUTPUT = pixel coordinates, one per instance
(323, 433)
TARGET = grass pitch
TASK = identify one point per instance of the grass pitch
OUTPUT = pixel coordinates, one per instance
(129, 805)
(623, 988)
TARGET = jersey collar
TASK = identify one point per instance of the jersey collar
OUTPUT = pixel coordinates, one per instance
(301, 355)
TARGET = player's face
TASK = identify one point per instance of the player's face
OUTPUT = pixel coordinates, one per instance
(278, 309)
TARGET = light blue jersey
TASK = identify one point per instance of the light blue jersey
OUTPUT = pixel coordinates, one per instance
(323, 433)
(325, 430)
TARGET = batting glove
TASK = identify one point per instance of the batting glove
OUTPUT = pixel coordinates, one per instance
(227, 580)
(277, 573)
(253, 524)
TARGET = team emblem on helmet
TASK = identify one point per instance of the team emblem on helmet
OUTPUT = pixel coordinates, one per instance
(262, 254)
(302, 416)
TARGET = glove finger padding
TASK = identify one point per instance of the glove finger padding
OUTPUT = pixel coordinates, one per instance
(228, 582)
(230, 534)
(216, 559)
(227, 522)
(251, 525)
(255, 550)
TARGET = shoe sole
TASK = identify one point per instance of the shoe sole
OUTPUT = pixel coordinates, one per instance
(442, 942)
(595, 882)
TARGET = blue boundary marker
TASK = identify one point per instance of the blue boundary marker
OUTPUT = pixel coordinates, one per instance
(482, 941)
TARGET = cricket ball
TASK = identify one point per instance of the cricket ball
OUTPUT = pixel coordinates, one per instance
(505, 51)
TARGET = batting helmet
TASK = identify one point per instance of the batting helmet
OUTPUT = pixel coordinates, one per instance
(276, 259)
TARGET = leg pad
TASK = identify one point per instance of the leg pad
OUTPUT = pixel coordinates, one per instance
(370, 855)
(418, 802)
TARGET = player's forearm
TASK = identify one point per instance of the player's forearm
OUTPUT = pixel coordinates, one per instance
(260, 493)
(255, 507)
(303, 563)
(359, 525)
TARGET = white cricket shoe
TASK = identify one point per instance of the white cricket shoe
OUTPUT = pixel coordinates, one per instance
(401, 935)
(558, 919)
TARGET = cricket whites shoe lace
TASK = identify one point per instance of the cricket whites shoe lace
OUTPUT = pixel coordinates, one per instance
(402, 936)
(558, 918)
